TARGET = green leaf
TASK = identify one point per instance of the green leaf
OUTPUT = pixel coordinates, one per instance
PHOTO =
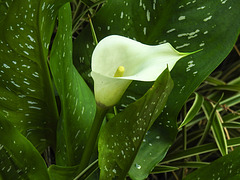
(193, 110)
(27, 98)
(231, 101)
(216, 126)
(163, 169)
(87, 171)
(188, 26)
(231, 125)
(226, 167)
(227, 87)
(214, 81)
(219, 134)
(210, 147)
(18, 157)
(4, 5)
(77, 101)
(190, 164)
(62, 172)
(121, 137)
(70, 172)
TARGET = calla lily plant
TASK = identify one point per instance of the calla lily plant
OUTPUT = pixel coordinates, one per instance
(117, 61)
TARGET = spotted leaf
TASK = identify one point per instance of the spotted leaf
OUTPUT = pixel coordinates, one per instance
(4, 5)
(27, 98)
(121, 137)
(226, 167)
(19, 159)
(188, 25)
(77, 100)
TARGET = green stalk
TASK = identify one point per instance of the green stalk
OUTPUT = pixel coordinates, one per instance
(184, 129)
(97, 123)
(184, 139)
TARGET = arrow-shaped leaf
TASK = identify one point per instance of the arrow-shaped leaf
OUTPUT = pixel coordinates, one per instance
(27, 98)
(121, 137)
(77, 100)
(18, 157)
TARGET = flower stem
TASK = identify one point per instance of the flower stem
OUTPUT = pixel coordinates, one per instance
(97, 123)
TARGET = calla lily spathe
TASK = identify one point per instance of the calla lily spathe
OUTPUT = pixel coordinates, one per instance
(137, 61)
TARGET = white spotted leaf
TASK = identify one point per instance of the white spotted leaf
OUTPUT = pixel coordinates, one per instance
(4, 5)
(27, 98)
(226, 167)
(121, 137)
(189, 25)
(19, 159)
(77, 100)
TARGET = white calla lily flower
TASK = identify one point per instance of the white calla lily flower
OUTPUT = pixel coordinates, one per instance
(117, 61)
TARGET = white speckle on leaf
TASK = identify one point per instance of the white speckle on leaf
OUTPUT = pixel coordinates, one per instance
(121, 16)
(223, 1)
(181, 6)
(171, 30)
(25, 52)
(29, 46)
(184, 45)
(205, 32)
(10, 167)
(131, 97)
(154, 4)
(144, 30)
(83, 109)
(77, 134)
(35, 107)
(43, 6)
(32, 90)
(35, 74)
(15, 84)
(202, 7)
(144, 7)
(138, 166)
(148, 15)
(190, 65)
(207, 19)
(31, 38)
(195, 72)
(6, 66)
(181, 18)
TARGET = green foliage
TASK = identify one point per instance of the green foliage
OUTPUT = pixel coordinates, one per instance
(71, 172)
(190, 152)
(27, 98)
(226, 167)
(137, 140)
(121, 137)
(216, 125)
(77, 101)
(18, 157)
(164, 169)
(188, 26)
(194, 110)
